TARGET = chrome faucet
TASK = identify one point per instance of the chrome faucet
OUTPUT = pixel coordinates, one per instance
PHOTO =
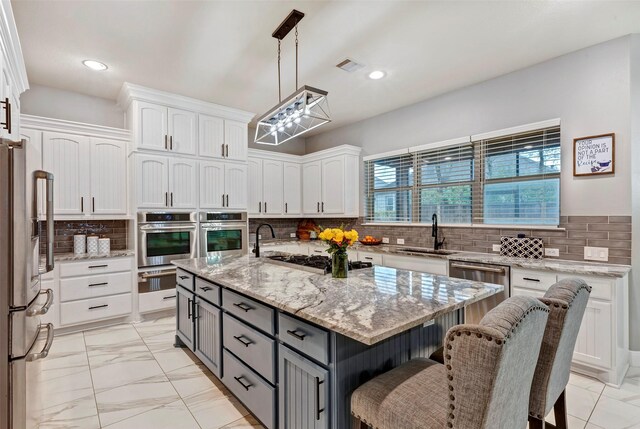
(256, 247)
(434, 233)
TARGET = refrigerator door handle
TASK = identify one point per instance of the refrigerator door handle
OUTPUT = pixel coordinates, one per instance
(47, 305)
(47, 346)
(44, 175)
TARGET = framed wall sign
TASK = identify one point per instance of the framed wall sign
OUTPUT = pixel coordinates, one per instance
(594, 155)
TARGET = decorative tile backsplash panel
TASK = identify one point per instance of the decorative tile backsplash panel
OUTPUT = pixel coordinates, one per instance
(527, 247)
(116, 230)
(613, 232)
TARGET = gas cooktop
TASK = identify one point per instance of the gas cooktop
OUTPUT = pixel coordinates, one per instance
(314, 264)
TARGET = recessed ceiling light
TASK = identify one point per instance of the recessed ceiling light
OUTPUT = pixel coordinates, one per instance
(376, 74)
(95, 65)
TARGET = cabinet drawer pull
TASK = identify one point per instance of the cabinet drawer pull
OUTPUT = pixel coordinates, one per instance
(318, 409)
(170, 142)
(243, 306)
(259, 206)
(239, 380)
(98, 306)
(93, 204)
(286, 210)
(265, 206)
(243, 340)
(227, 151)
(323, 207)
(222, 149)
(222, 200)
(166, 145)
(183, 277)
(318, 207)
(227, 200)
(296, 335)
(7, 108)
(189, 308)
(99, 284)
(205, 288)
(169, 297)
(98, 266)
(82, 204)
(531, 280)
(368, 257)
(166, 199)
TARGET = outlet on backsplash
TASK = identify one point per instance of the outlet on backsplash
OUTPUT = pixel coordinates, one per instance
(385, 240)
(400, 240)
(292, 235)
(596, 254)
(495, 247)
(551, 252)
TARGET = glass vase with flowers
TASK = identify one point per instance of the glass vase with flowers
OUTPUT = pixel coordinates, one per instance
(339, 240)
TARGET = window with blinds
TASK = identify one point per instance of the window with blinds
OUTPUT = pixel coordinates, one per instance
(507, 180)
(521, 179)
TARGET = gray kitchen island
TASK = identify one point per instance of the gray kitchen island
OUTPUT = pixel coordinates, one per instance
(292, 345)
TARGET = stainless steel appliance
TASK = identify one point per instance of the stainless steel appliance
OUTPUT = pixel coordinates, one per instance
(488, 273)
(223, 234)
(20, 327)
(166, 236)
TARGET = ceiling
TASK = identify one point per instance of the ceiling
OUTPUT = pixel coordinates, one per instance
(222, 51)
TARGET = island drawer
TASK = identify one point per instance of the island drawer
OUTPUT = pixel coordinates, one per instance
(538, 280)
(308, 339)
(253, 348)
(158, 300)
(374, 258)
(185, 279)
(249, 310)
(258, 395)
(94, 286)
(208, 291)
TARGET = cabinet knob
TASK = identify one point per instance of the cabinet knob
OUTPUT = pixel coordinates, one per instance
(7, 108)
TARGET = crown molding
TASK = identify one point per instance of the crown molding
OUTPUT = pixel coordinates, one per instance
(62, 126)
(344, 149)
(130, 92)
(10, 43)
(276, 156)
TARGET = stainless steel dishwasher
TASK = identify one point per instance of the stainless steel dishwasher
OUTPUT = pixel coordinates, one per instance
(480, 272)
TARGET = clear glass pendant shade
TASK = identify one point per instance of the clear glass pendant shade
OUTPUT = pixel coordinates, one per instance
(304, 110)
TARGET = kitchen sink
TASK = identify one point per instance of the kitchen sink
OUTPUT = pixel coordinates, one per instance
(426, 251)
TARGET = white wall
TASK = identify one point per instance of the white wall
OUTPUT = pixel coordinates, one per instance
(587, 89)
(634, 304)
(71, 106)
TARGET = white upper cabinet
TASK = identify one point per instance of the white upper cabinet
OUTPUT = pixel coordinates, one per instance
(235, 186)
(235, 140)
(183, 186)
(211, 136)
(108, 176)
(67, 157)
(311, 187)
(165, 129)
(182, 131)
(292, 188)
(152, 176)
(212, 195)
(272, 187)
(152, 127)
(333, 186)
(223, 185)
(254, 186)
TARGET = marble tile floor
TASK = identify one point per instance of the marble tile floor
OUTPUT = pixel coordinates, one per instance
(130, 376)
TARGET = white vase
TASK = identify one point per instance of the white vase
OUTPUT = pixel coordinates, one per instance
(79, 244)
(104, 246)
(92, 245)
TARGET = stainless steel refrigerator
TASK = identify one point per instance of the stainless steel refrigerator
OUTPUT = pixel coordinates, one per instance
(23, 339)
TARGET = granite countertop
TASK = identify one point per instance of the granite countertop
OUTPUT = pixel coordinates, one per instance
(61, 257)
(545, 264)
(371, 305)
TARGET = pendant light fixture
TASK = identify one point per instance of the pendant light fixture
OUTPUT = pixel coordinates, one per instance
(304, 110)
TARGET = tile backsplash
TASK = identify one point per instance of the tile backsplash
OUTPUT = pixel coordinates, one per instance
(116, 230)
(575, 232)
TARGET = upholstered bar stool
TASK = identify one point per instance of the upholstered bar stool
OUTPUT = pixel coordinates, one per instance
(567, 301)
(485, 382)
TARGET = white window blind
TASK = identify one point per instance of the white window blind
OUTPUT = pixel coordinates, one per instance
(499, 180)
(520, 179)
(445, 178)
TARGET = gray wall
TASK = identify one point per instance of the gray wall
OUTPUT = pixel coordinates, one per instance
(587, 89)
(71, 106)
(595, 90)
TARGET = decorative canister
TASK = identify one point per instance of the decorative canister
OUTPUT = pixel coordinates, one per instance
(79, 244)
(92, 244)
(104, 246)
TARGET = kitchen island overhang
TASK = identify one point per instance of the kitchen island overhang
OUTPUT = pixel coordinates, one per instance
(293, 345)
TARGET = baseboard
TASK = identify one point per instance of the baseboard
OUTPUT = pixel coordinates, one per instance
(634, 358)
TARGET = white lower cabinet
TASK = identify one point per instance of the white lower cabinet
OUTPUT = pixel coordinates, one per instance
(155, 301)
(94, 290)
(602, 346)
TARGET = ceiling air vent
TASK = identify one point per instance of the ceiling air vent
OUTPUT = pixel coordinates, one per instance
(349, 65)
